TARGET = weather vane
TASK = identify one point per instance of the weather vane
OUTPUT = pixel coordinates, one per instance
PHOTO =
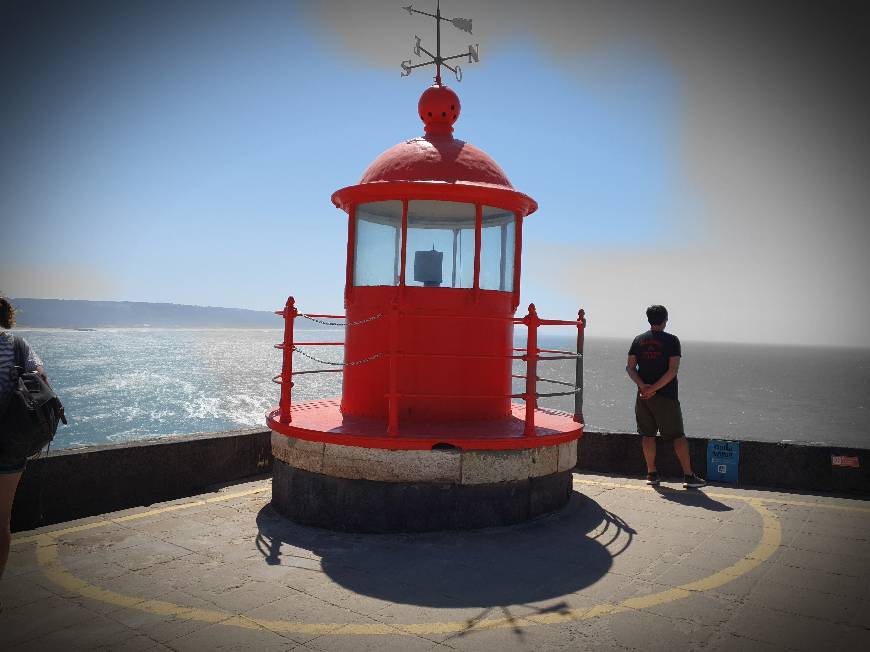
(461, 23)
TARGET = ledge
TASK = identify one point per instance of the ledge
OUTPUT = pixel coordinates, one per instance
(80, 482)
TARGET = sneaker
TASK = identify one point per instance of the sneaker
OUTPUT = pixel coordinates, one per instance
(653, 479)
(693, 481)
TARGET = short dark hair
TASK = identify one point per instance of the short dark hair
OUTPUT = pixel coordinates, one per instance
(7, 313)
(656, 315)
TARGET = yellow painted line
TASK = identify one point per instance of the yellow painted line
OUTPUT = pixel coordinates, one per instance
(52, 566)
(759, 499)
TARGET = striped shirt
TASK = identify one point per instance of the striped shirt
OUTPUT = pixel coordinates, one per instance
(7, 361)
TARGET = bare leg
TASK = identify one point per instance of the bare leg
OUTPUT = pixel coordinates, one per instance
(681, 448)
(8, 485)
(649, 453)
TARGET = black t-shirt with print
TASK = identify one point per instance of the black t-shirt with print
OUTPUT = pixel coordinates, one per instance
(653, 351)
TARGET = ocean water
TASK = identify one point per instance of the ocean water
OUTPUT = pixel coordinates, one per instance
(129, 384)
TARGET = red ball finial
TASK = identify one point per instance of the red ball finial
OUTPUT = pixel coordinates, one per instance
(439, 108)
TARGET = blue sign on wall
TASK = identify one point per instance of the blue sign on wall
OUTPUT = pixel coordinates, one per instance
(723, 458)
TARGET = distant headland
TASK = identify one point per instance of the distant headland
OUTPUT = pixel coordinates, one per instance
(80, 314)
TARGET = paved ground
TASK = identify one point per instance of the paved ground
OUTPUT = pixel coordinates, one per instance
(622, 567)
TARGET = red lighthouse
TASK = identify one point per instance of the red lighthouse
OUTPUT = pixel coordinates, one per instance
(428, 433)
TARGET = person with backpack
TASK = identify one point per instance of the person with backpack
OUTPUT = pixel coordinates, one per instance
(11, 463)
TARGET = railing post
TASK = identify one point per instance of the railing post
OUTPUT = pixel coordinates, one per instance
(393, 400)
(289, 315)
(578, 373)
(531, 320)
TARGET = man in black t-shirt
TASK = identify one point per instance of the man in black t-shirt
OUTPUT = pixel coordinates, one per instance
(653, 362)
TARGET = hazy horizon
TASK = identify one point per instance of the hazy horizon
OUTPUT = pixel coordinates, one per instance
(560, 331)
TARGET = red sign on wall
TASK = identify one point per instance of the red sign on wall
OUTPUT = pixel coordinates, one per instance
(844, 460)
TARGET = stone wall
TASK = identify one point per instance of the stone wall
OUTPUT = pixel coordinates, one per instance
(774, 465)
(74, 483)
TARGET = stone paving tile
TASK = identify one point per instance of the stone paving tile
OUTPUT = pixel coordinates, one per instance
(163, 628)
(301, 608)
(611, 587)
(360, 643)
(631, 564)
(736, 589)
(850, 530)
(728, 642)
(183, 572)
(520, 636)
(131, 585)
(755, 622)
(644, 630)
(197, 537)
(831, 543)
(466, 618)
(712, 554)
(852, 638)
(817, 580)
(837, 564)
(22, 561)
(98, 633)
(861, 617)
(143, 555)
(248, 595)
(159, 527)
(304, 580)
(658, 567)
(41, 618)
(592, 635)
(365, 604)
(241, 550)
(226, 636)
(19, 590)
(805, 603)
(743, 532)
(104, 565)
(704, 609)
(112, 536)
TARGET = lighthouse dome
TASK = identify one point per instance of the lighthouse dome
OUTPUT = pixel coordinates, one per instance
(436, 166)
(437, 156)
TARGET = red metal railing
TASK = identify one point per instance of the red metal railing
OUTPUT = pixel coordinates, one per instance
(532, 355)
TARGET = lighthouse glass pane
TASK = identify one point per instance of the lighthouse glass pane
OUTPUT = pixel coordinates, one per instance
(378, 243)
(497, 246)
(440, 244)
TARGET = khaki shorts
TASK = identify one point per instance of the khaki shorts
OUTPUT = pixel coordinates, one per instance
(659, 414)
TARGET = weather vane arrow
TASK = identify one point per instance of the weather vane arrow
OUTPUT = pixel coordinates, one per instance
(460, 23)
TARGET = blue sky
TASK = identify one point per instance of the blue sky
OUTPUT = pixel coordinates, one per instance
(192, 159)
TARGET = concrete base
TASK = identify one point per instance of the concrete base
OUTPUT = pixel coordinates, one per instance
(358, 489)
(371, 506)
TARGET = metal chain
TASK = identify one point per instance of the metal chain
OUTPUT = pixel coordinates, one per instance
(343, 323)
(339, 364)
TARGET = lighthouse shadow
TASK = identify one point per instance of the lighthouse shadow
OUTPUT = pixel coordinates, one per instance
(546, 558)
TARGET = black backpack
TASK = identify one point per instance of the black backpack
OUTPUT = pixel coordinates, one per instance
(32, 412)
